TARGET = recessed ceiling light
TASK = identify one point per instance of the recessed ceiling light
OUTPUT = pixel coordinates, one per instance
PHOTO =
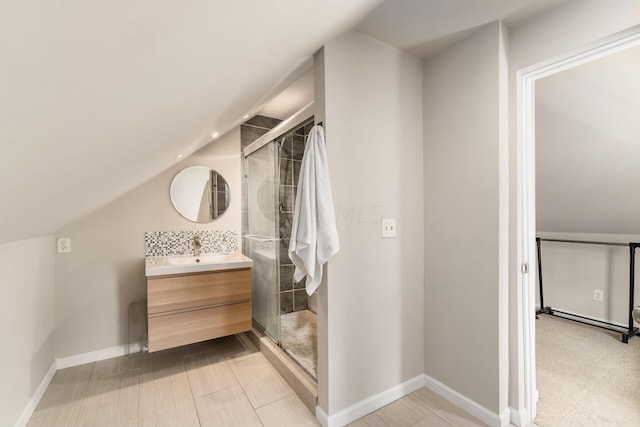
(215, 135)
(245, 117)
(179, 156)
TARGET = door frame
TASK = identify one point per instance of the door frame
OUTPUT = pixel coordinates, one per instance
(526, 203)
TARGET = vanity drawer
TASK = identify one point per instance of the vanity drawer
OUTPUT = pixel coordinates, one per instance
(187, 291)
(172, 330)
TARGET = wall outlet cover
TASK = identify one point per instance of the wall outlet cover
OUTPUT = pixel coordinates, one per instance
(64, 245)
(598, 295)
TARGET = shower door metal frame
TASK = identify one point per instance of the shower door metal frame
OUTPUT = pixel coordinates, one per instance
(281, 129)
(276, 136)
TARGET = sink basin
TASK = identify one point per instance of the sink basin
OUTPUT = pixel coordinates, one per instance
(204, 259)
(181, 264)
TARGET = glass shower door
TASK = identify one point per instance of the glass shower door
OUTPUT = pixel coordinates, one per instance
(261, 241)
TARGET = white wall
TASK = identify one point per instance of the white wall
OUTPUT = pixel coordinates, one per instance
(373, 305)
(105, 270)
(556, 32)
(26, 322)
(462, 150)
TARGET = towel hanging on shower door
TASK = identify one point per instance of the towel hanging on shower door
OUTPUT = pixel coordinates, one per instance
(314, 237)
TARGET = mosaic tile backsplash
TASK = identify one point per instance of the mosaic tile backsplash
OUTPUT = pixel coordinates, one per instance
(163, 243)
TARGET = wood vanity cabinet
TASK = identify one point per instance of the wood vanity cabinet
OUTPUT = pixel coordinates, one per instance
(189, 308)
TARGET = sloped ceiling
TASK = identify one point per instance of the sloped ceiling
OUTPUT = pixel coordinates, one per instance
(98, 97)
(292, 99)
(588, 147)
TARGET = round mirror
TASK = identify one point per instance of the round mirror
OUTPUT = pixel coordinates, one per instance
(200, 194)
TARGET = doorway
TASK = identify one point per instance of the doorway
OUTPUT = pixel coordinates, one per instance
(526, 230)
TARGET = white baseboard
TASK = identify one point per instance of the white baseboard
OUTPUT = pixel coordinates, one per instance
(37, 395)
(370, 404)
(61, 363)
(519, 418)
(322, 417)
(466, 404)
(94, 356)
(505, 417)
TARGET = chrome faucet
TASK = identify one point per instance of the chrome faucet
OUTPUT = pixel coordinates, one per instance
(196, 246)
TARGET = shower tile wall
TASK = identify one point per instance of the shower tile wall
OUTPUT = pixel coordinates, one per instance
(293, 296)
(251, 130)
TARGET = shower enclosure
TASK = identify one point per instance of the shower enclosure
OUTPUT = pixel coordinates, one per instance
(280, 306)
(261, 241)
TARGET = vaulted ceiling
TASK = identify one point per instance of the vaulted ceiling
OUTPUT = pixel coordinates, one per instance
(588, 147)
(98, 97)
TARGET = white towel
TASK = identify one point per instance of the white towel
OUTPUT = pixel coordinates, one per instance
(314, 237)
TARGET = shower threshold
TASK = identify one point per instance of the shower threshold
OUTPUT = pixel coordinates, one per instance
(303, 384)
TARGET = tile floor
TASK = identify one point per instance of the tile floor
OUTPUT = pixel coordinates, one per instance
(216, 383)
(419, 409)
(223, 382)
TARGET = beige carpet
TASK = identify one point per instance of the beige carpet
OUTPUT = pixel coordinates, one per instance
(299, 337)
(585, 375)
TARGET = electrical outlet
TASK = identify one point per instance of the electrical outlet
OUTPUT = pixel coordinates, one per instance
(64, 245)
(598, 295)
(388, 228)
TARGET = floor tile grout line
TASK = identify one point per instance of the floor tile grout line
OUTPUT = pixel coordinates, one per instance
(292, 392)
(138, 412)
(434, 411)
(441, 417)
(240, 384)
(84, 395)
(193, 398)
(245, 392)
(214, 392)
(139, 417)
(277, 400)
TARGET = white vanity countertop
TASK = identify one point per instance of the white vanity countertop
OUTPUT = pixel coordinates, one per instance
(181, 264)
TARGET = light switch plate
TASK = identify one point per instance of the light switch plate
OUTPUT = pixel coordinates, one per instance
(64, 245)
(388, 227)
